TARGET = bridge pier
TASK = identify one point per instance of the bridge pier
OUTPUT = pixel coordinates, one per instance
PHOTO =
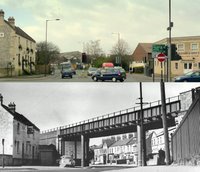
(139, 145)
(84, 151)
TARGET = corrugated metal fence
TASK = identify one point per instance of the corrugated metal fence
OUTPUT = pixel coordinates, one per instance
(186, 139)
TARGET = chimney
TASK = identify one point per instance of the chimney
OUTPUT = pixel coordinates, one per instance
(12, 106)
(1, 15)
(1, 99)
(11, 20)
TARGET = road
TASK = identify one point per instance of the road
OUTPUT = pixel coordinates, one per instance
(58, 169)
(171, 168)
(81, 76)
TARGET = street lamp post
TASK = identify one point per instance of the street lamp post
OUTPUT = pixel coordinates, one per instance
(45, 69)
(119, 58)
(169, 45)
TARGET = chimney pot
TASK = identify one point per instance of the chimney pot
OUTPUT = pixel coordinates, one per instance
(12, 107)
(11, 20)
(1, 14)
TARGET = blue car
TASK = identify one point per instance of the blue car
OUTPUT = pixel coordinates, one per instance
(66, 73)
(193, 76)
(108, 74)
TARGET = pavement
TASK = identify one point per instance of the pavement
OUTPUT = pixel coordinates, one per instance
(171, 168)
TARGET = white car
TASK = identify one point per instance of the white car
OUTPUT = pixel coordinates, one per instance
(66, 161)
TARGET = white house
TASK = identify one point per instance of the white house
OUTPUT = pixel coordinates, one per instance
(21, 137)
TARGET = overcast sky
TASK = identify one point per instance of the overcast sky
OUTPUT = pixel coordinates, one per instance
(85, 20)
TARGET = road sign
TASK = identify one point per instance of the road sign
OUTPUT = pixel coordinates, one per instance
(159, 48)
(161, 57)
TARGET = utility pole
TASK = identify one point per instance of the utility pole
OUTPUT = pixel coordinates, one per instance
(164, 121)
(141, 133)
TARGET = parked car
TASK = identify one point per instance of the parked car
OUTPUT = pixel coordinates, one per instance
(73, 71)
(123, 72)
(66, 161)
(193, 76)
(66, 73)
(91, 71)
(108, 74)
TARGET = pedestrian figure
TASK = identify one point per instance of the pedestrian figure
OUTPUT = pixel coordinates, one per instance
(161, 157)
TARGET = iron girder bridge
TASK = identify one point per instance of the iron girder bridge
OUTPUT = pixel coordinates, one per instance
(123, 121)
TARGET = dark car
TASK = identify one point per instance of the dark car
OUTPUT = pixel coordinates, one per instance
(193, 76)
(108, 74)
(91, 71)
(122, 71)
(66, 73)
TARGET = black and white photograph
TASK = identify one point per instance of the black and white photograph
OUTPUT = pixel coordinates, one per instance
(60, 126)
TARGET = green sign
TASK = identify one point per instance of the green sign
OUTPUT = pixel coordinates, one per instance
(159, 48)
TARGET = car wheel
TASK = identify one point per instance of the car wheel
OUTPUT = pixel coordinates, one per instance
(114, 79)
(95, 78)
(185, 80)
(122, 80)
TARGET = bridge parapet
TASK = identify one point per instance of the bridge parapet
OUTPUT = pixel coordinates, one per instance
(123, 119)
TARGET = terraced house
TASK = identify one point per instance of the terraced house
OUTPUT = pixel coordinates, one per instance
(17, 49)
(21, 137)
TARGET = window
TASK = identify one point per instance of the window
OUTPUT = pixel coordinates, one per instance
(194, 46)
(176, 65)
(187, 65)
(18, 40)
(17, 143)
(18, 128)
(190, 65)
(180, 47)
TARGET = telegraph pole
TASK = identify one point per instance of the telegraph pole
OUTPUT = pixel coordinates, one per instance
(164, 121)
(141, 133)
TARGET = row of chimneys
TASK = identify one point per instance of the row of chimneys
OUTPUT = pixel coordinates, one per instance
(11, 20)
(11, 106)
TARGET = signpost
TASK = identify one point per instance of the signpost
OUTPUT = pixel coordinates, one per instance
(161, 58)
(158, 49)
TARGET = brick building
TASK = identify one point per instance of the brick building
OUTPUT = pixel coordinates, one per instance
(142, 58)
(17, 49)
(21, 137)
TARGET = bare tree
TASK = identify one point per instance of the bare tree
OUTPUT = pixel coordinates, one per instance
(121, 48)
(93, 49)
(120, 52)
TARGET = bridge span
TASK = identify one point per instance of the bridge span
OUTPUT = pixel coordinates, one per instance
(77, 135)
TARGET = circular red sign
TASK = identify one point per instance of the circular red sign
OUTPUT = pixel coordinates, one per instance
(161, 57)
